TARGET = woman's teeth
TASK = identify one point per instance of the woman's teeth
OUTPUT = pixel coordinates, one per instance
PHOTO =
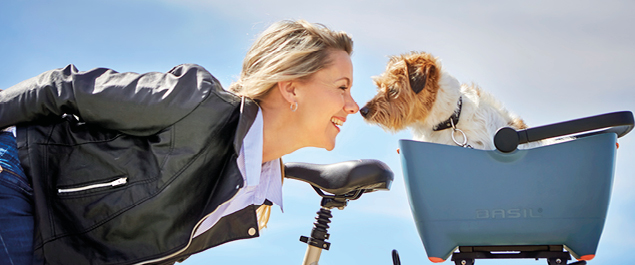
(337, 122)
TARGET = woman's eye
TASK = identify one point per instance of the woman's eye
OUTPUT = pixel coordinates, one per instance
(343, 87)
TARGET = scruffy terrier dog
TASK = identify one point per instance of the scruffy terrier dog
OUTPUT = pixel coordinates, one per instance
(414, 92)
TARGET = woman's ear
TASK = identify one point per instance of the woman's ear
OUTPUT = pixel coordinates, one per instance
(287, 90)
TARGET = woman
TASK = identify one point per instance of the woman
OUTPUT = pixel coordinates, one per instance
(129, 168)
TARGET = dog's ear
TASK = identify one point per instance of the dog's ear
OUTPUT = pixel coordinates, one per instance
(416, 78)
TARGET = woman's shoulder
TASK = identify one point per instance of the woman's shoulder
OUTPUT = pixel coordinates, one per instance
(185, 68)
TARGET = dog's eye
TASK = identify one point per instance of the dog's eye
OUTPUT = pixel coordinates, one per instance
(392, 92)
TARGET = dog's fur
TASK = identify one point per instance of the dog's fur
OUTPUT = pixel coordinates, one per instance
(414, 92)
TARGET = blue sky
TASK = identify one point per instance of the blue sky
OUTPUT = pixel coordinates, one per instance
(547, 61)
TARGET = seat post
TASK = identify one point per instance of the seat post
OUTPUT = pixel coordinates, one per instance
(319, 234)
(312, 255)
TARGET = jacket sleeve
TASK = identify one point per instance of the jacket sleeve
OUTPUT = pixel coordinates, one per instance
(136, 104)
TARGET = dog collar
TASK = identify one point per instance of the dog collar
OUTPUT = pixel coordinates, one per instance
(453, 119)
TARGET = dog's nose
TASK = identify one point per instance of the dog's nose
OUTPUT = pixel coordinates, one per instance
(364, 111)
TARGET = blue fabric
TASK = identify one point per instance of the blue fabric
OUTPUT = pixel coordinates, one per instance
(16, 207)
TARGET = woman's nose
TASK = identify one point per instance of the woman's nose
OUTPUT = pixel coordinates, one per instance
(351, 106)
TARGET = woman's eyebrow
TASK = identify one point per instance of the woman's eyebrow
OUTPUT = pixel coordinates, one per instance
(348, 80)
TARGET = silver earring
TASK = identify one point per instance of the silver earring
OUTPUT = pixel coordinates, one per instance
(294, 106)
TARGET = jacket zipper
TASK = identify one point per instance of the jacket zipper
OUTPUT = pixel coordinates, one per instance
(114, 183)
(190, 240)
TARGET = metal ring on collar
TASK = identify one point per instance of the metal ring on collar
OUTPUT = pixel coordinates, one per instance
(464, 137)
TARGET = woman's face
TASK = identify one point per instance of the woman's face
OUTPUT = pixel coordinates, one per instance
(324, 101)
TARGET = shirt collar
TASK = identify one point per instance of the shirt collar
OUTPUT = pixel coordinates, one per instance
(253, 170)
(252, 151)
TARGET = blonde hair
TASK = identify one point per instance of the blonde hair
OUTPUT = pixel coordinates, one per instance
(287, 50)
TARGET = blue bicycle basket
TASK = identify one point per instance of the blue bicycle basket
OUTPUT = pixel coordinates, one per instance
(555, 194)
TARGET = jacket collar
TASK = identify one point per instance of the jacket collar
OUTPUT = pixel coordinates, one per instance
(248, 112)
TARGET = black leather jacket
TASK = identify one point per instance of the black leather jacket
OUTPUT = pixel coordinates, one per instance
(124, 165)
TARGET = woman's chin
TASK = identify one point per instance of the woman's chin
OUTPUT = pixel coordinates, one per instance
(330, 146)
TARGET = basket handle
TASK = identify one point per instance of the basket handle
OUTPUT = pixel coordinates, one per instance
(507, 139)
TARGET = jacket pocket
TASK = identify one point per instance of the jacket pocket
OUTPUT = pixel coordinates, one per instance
(94, 176)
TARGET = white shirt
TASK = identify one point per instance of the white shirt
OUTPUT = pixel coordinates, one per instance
(262, 180)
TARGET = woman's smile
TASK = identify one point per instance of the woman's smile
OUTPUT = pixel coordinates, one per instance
(337, 122)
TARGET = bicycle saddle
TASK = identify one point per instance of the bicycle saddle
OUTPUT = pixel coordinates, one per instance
(343, 177)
